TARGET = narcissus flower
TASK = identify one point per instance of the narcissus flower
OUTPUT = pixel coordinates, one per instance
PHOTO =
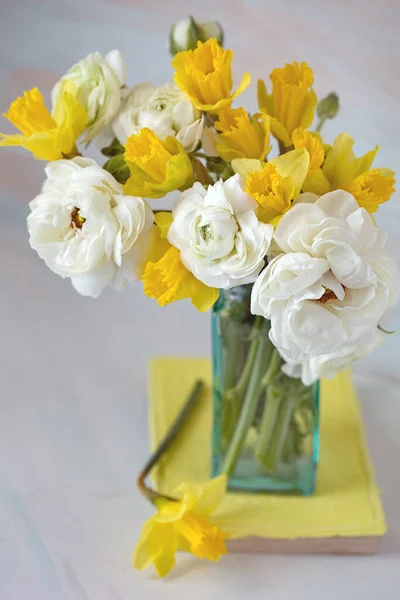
(242, 137)
(185, 524)
(342, 170)
(165, 277)
(204, 74)
(312, 143)
(275, 184)
(48, 137)
(292, 102)
(156, 166)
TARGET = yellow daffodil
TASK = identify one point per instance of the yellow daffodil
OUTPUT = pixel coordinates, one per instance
(312, 143)
(48, 137)
(242, 137)
(292, 102)
(166, 279)
(372, 188)
(342, 170)
(156, 166)
(204, 74)
(275, 184)
(184, 524)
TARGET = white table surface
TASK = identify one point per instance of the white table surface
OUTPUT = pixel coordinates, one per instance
(73, 398)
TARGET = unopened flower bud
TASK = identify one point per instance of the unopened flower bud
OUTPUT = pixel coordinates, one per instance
(328, 107)
(185, 34)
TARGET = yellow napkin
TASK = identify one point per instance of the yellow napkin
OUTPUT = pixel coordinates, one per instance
(346, 501)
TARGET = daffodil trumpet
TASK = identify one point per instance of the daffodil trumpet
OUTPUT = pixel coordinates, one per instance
(165, 444)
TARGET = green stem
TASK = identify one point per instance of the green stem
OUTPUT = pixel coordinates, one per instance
(273, 454)
(248, 367)
(233, 395)
(271, 406)
(169, 437)
(249, 408)
(268, 421)
(320, 124)
(231, 343)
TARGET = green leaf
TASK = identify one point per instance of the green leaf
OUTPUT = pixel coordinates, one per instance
(118, 168)
(114, 149)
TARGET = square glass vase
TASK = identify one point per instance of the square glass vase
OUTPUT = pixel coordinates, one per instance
(265, 423)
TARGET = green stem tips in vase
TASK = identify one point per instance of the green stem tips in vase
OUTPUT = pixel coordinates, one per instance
(265, 423)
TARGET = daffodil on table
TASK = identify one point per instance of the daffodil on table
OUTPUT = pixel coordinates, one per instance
(184, 521)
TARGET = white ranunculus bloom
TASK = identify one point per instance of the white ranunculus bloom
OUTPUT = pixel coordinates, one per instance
(99, 81)
(217, 231)
(165, 109)
(328, 289)
(84, 228)
(328, 366)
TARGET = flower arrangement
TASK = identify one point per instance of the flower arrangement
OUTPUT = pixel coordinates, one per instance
(297, 225)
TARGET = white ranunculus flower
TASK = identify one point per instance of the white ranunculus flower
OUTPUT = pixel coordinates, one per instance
(99, 81)
(217, 231)
(327, 291)
(328, 366)
(165, 109)
(84, 228)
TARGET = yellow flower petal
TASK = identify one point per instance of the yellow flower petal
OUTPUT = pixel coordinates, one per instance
(305, 139)
(245, 166)
(280, 132)
(158, 544)
(341, 166)
(292, 102)
(268, 189)
(47, 137)
(293, 164)
(373, 188)
(29, 114)
(242, 137)
(156, 166)
(205, 540)
(186, 524)
(317, 183)
(204, 74)
(166, 279)
(207, 496)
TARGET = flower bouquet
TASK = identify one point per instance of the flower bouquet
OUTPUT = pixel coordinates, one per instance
(272, 229)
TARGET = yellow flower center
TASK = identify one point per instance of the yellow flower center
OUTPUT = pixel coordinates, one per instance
(267, 189)
(205, 72)
(163, 279)
(248, 137)
(29, 114)
(147, 151)
(372, 188)
(305, 139)
(76, 219)
(297, 75)
(206, 540)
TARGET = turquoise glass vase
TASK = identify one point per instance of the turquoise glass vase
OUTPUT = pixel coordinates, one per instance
(266, 426)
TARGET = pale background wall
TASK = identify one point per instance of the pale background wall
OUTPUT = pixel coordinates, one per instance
(73, 371)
